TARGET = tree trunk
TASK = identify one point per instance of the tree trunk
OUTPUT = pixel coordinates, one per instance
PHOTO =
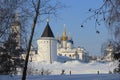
(30, 41)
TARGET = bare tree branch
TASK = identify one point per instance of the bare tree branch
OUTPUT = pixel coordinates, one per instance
(30, 41)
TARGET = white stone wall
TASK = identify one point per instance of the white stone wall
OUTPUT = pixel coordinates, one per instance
(74, 53)
(58, 45)
(80, 56)
(47, 49)
(69, 45)
(54, 50)
(64, 44)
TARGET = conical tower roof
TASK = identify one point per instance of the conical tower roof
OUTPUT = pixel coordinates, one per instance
(47, 31)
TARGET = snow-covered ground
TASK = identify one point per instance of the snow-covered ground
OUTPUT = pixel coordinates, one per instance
(75, 67)
(79, 71)
(66, 77)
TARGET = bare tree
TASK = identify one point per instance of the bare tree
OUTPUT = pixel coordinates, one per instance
(8, 10)
(109, 12)
(40, 8)
(30, 41)
(26, 10)
(8, 44)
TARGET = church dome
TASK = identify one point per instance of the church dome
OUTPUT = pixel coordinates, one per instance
(70, 41)
(58, 41)
(64, 38)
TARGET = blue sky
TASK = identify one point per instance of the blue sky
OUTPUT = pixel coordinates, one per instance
(73, 16)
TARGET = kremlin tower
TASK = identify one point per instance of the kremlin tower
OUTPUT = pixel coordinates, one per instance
(47, 45)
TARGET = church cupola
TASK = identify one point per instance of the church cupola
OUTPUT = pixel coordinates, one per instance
(47, 31)
(64, 36)
(70, 39)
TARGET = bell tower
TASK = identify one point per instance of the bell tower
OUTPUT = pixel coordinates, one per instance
(16, 30)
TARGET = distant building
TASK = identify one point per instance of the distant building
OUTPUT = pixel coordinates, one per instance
(65, 47)
(14, 38)
(16, 31)
(47, 47)
(52, 49)
(109, 50)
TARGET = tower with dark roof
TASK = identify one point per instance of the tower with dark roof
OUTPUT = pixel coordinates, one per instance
(47, 45)
(47, 32)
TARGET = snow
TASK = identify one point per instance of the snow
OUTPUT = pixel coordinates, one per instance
(66, 77)
(75, 67)
(79, 71)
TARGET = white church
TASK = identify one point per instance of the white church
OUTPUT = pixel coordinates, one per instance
(52, 49)
(65, 47)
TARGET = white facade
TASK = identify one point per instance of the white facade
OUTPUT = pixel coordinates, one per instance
(65, 47)
(47, 49)
(109, 52)
(74, 53)
(47, 46)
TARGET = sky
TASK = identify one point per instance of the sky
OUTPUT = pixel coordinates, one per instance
(73, 16)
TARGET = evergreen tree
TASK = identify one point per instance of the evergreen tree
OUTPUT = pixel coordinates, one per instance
(117, 57)
(10, 56)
